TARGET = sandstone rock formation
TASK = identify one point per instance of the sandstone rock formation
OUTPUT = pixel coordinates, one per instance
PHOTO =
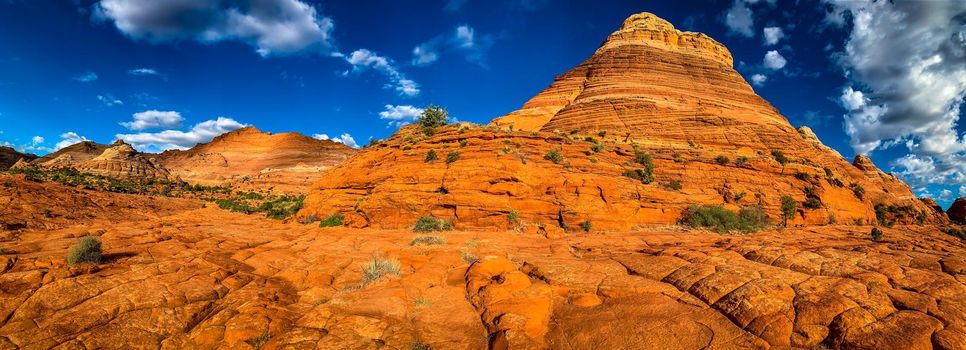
(649, 89)
(249, 158)
(204, 278)
(957, 211)
(118, 160)
(10, 156)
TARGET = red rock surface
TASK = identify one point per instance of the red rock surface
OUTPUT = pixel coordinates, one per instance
(672, 94)
(957, 211)
(118, 160)
(251, 159)
(70, 155)
(207, 278)
(10, 156)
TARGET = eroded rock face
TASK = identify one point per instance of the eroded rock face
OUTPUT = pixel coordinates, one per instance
(68, 156)
(10, 156)
(118, 160)
(672, 95)
(249, 158)
(208, 278)
(957, 211)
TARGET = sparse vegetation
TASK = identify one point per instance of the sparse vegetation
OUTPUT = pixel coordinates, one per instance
(463, 143)
(428, 240)
(788, 206)
(677, 158)
(431, 224)
(334, 220)
(876, 234)
(431, 156)
(278, 208)
(586, 226)
(377, 267)
(722, 160)
(452, 157)
(469, 257)
(858, 191)
(88, 249)
(432, 117)
(420, 346)
(646, 175)
(597, 147)
(955, 232)
(741, 161)
(513, 216)
(674, 185)
(554, 156)
(779, 157)
(719, 219)
(309, 219)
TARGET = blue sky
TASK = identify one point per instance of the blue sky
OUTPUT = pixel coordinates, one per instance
(168, 73)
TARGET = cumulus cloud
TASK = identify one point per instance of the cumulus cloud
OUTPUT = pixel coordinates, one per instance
(740, 19)
(143, 71)
(909, 61)
(69, 138)
(109, 100)
(774, 60)
(344, 139)
(463, 40)
(177, 139)
(772, 35)
(86, 77)
(37, 140)
(400, 115)
(362, 60)
(154, 119)
(272, 27)
(758, 79)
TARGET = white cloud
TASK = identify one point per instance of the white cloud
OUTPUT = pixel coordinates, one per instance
(772, 35)
(36, 140)
(400, 115)
(758, 79)
(273, 27)
(154, 119)
(962, 191)
(740, 19)
(363, 59)
(69, 138)
(177, 139)
(945, 195)
(774, 60)
(908, 59)
(109, 100)
(852, 99)
(344, 139)
(143, 71)
(463, 39)
(86, 77)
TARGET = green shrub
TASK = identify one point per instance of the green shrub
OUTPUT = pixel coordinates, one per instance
(431, 224)
(752, 218)
(332, 221)
(513, 216)
(586, 226)
(876, 234)
(788, 206)
(647, 174)
(432, 116)
(674, 185)
(597, 147)
(741, 161)
(88, 249)
(779, 157)
(431, 156)
(463, 143)
(452, 157)
(235, 205)
(739, 196)
(554, 156)
(378, 267)
(858, 191)
(602, 133)
(420, 346)
(309, 219)
(812, 202)
(678, 158)
(722, 160)
(428, 240)
(282, 207)
(719, 219)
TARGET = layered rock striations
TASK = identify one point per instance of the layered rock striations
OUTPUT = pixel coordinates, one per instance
(649, 91)
(247, 157)
(118, 160)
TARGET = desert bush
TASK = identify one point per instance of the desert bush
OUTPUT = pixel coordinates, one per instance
(752, 218)
(431, 156)
(741, 161)
(513, 216)
(309, 219)
(858, 191)
(674, 185)
(677, 158)
(428, 240)
(431, 224)
(812, 202)
(955, 232)
(788, 206)
(452, 157)
(88, 249)
(463, 143)
(432, 116)
(876, 234)
(282, 206)
(586, 226)
(722, 160)
(597, 147)
(334, 220)
(554, 156)
(779, 157)
(377, 267)
(647, 174)
(719, 219)
(235, 205)
(739, 196)
(420, 346)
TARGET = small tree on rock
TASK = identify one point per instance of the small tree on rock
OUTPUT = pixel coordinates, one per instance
(433, 116)
(789, 207)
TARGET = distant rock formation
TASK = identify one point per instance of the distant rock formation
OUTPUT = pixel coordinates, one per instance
(249, 158)
(957, 211)
(118, 160)
(573, 154)
(10, 156)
